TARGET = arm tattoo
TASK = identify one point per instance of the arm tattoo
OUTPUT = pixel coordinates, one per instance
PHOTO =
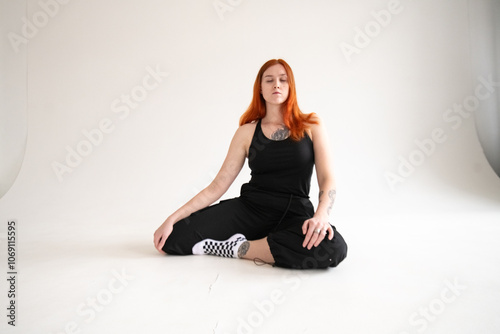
(243, 249)
(331, 194)
(280, 134)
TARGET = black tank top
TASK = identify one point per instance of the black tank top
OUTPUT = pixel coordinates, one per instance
(283, 166)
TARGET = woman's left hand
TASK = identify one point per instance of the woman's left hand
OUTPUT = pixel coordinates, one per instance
(315, 230)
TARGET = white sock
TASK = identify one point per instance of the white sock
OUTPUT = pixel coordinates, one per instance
(227, 248)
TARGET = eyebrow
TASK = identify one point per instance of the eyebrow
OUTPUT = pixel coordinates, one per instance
(269, 75)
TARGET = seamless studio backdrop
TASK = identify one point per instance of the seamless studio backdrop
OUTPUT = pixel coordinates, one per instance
(114, 113)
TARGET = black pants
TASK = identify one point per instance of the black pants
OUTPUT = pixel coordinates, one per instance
(258, 214)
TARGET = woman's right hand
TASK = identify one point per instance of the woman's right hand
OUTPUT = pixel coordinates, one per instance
(230, 169)
(162, 234)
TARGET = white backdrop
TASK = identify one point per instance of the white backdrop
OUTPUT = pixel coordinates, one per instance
(378, 94)
(13, 98)
(131, 105)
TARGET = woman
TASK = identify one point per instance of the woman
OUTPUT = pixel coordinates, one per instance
(273, 220)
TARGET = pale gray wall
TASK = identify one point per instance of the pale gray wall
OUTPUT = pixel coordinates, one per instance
(382, 97)
(13, 98)
(485, 52)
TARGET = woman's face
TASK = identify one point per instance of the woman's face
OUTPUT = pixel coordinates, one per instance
(274, 85)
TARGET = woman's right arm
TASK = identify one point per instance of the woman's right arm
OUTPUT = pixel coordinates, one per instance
(238, 151)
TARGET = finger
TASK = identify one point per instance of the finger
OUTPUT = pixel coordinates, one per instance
(306, 239)
(160, 246)
(159, 242)
(314, 237)
(309, 235)
(305, 229)
(320, 238)
(312, 241)
(331, 233)
(156, 239)
(305, 226)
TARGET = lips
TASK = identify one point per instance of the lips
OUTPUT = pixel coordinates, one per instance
(276, 93)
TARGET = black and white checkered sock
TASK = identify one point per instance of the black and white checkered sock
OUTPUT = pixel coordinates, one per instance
(227, 248)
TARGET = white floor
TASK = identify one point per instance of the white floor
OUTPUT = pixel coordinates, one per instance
(424, 259)
(407, 271)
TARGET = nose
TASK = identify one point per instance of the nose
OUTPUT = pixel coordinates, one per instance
(277, 84)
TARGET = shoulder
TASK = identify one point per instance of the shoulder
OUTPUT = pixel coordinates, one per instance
(248, 127)
(243, 136)
(246, 130)
(316, 127)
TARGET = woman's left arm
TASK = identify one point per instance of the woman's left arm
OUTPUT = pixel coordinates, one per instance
(327, 191)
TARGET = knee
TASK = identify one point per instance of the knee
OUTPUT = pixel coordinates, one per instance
(337, 248)
(328, 254)
(180, 241)
(173, 247)
(338, 254)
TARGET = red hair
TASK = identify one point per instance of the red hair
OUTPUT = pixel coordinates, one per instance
(295, 120)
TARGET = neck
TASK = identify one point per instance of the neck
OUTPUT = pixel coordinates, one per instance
(273, 114)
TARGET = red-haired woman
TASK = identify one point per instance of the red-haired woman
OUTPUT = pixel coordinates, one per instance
(273, 220)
